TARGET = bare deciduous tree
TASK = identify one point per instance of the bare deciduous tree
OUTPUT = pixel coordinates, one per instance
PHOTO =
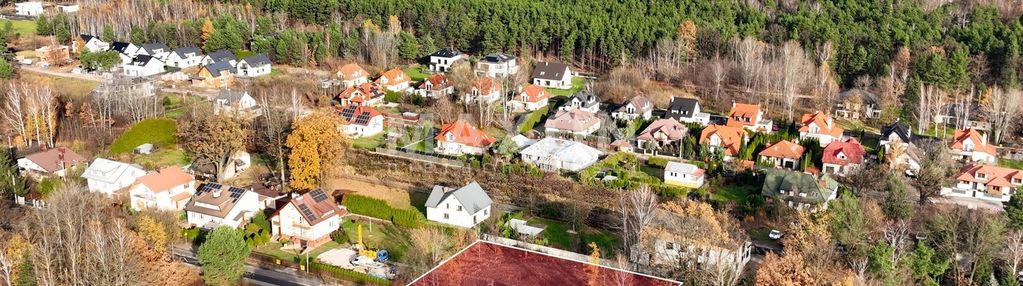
(749, 52)
(1002, 109)
(792, 70)
(1013, 252)
(931, 100)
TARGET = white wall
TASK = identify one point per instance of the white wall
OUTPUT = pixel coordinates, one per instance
(457, 215)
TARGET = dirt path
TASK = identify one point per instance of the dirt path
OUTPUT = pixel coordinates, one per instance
(395, 196)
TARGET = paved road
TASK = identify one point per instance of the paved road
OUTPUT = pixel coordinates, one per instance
(255, 275)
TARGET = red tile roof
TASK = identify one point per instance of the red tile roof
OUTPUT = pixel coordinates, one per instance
(784, 149)
(438, 80)
(851, 148)
(165, 179)
(350, 113)
(743, 111)
(486, 85)
(55, 159)
(362, 92)
(731, 137)
(995, 176)
(465, 134)
(392, 77)
(534, 93)
(351, 71)
(673, 129)
(824, 124)
(979, 141)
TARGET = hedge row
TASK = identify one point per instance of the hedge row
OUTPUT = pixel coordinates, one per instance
(380, 209)
(348, 275)
(533, 119)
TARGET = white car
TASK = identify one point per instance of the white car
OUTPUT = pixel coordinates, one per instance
(775, 234)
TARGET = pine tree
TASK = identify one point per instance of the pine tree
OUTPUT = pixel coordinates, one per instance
(137, 35)
(6, 70)
(1014, 209)
(408, 48)
(108, 33)
(43, 26)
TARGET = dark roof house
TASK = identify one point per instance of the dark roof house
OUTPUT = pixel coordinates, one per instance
(446, 53)
(471, 197)
(682, 107)
(550, 70)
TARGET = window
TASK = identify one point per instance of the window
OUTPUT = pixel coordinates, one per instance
(669, 245)
(486, 211)
(459, 208)
(446, 216)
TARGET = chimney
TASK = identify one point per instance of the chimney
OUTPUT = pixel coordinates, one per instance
(60, 154)
(216, 193)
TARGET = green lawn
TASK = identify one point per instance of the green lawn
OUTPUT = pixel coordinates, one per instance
(158, 131)
(369, 143)
(417, 73)
(555, 232)
(419, 146)
(605, 242)
(1008, 163)
(385, 236)
(533, 118)
(578, 84)
(163, 157)
(734, 193)
(23, 27)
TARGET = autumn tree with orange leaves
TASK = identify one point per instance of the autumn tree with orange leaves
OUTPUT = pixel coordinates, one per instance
(316, 146)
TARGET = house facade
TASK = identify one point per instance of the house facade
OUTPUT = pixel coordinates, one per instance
(436, 86)
(531, 98)
(972, 146)
(897, 142)
(443, 59)
(464, 207)
(497, 65)
(108, 177)
(552, 75)
(361, 121)
(143, 66)
(583, 100)
(29, 8)
(215, 205)
(460, 138)
(749, 116)
(308, 219)
(637, 107)
(352, 74)
(395, 80)
(820, 126)
(185, 57)
(486, 89)
(686, 110)
(783, 154)
(91, 44)
(553, 154)
(683, 174)
(842, 157)
(254, 66)
(167, 189)
(725, 139)
(51, 162)
(216, 74)
(857, 104)
(986, 182)
(573, 121)
(236, 103)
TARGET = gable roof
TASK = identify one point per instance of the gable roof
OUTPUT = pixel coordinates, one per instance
(497, 58)
(86, 37)
(231, 96)
(784, 149)
(465, 134)
(393, 76)
(639, 102)
(550, 70)
(850, 147)
(683, 168)
(979, 141)
(486, 85)
(563, 150)
(257, 60)
(586, 97)
(731, 137)
(439, 81)
(471, 197)
(899, 129)
(165, 179)
(218, 68)
(824, 124)
(534, 93)
(109, 171)
(993, 175)
(818, 190)
(742, 110)
(358, 114)
(446, 53)
(351, 71)
(55, 159)
(316, 206)
(152, 47)
(120, 47)
(216, 200)
(143, 60)
(362, 92)
(669, 127)
(181, 52)
(572, 120)
(222, 56)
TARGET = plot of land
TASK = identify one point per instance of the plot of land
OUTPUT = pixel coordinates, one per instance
(378, 236)
(157, 131)
(417, 73)
(578, 84)
(395, 197)
(23, 27)
(369, 143)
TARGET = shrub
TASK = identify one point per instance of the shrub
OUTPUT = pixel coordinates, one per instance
(380, 209)
(657, 162)
(532, 119)
(392, 96)
(348, 275)
(339, 236)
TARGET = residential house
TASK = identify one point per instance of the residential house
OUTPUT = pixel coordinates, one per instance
(436, 86)
(254, 65)
(443, 59)
(683, 174)
(986, 182)
(841, 157)
(783, 154)
(91, 44)
(127, 51)
(486, 89)
(156, 50)
(972, 146)
(660, 133)
(574, 121)
(637, 107)
(308, 220)
(28, 8)
(897, 141)
(352, 74)
(729, 250)
(367, 93)
(553, 75)
(799, 190)
(167, 189)
(143, 66)
(749, 116)
(460, 137)
(215, 205)
(686, 110)
(857, 104)
(532, 97)
(497, 65)
(552, 154)
(583, 100)
(185, 57)
(109, 177)
(220, 56)
(236, 103)
(216, 74)
(50, 162)
(724, 138)
(360, 121)
(394, 80)
(465, 207)
(820, 126)
(68, 8)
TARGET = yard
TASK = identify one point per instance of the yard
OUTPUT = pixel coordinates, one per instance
(164, 157)
(61, 85)
(23, 27)
(555, 232)
(417, 73)
(369, 143)
(274, 249)
(578, 84)
(532, 119)
(739, 194)
(378, 236)
(158, 131)
(1009, 163)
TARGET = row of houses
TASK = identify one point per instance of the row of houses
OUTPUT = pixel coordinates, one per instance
(217, 69)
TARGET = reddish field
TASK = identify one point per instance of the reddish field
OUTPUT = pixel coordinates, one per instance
(485, 263)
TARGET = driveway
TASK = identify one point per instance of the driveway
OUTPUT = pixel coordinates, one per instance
(971, 203)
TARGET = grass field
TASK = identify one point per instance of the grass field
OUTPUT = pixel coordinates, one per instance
(369, 143)
(65, 86)
(23, 27)
(605, 242)
(379, 236)
(556, 233)
(1008, 163)
(165, 157)
(578, 84)
(737, 194)
(158, 131)
(417, 73)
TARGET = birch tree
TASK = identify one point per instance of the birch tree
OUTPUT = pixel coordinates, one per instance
(749, 52)
(793, 74)
(13, 111)
(1002, 108)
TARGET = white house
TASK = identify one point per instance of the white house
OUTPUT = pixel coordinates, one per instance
(442, 60)
(972, 146)
(465, 207)
(361, 121)
(552, 154)
(497, 65)
(29, 9)
(584, 100)
(167, 189)
(986, 182)
(185, 57)
(486, 89)
(92, 44)
(820, 126)
(460, 138)
(683, 174)
(749, 116)
(897, 140)
(126, 51)
(531, 98)
(308, 220)
(253, 66)
(156, 50)
(553, 75)
(142, 66)
(69, 8)
(686, 110)
(638, 107)
(215, 205)
(220, 56)
(51, 162)
(352, 74)
(107, 177)
(237, 103)
(395, 80)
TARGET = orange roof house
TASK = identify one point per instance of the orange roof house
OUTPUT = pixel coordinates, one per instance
(394, 79)
(487, 88)
(971, 145)
(996, 182)
(784, 153)
(366, 93)
(730, 138)
(820, 126)
(744, 114)
(461, 137)
(165, 189)
(534, 93)
(352, 72)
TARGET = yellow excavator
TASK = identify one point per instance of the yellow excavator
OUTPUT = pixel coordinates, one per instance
(377, 255)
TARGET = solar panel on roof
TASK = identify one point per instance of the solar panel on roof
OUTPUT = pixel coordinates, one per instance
(362, 119)
(307, 212)
(348, 112)
(209, 187)
(318, 195)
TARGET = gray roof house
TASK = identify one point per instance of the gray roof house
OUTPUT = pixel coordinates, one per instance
(466, 206)
(799, 190)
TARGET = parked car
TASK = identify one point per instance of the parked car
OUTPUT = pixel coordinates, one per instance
(775, 234)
